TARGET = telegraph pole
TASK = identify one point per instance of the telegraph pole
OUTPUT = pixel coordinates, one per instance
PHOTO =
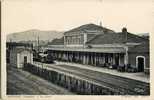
(38, 44)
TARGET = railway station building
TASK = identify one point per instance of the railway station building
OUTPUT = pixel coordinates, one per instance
(18, 54)
(99, 46)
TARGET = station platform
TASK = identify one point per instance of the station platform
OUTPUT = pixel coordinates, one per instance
(140, 76)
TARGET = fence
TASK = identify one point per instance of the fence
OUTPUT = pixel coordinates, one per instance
(71, 83)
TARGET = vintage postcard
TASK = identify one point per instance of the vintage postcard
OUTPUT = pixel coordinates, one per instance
(76, 49)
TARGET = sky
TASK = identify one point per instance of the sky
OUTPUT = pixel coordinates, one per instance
(62, 15)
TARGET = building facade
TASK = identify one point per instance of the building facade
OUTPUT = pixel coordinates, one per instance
(18, 54)
(98, 46)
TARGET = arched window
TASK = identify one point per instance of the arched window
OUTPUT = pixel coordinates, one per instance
(140, 63)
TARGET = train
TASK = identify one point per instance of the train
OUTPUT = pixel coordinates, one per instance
(43, 57)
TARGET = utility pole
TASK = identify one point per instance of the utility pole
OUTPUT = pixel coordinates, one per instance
(100, 23)
(38, 45)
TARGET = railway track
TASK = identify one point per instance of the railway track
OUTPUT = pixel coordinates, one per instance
(115, 83)
(107, 77)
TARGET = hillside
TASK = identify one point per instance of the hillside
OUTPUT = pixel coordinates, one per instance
(32, 35)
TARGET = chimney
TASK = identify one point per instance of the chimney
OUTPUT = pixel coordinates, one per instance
(124, 31)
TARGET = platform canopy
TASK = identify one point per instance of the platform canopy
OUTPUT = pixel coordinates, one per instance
(99, 50)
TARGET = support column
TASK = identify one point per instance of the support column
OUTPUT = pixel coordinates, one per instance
(87, 58)
(126, 57)
(95, 59)
(91, 58)
(66, 55)
(84, 58)
(112, 59)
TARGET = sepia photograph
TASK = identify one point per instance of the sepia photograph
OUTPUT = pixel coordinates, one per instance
(76, 47)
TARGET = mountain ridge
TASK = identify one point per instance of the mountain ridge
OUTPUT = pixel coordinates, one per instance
(33, 34)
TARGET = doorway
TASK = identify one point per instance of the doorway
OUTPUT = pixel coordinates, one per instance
(140, 63)
(117, 59)
(25, 59)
